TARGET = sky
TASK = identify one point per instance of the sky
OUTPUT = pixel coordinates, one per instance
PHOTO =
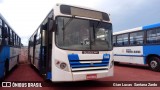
(24, 16)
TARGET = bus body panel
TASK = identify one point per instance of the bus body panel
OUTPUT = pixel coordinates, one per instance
(129, 54)
(14, 52)
(152, 49)
(4, 55)
(10, 54)
(31, 54)
(2, 65)
(62, 56)
(143, 51)
(37, 56)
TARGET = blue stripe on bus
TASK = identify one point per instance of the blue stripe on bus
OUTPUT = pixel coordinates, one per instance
(89, 65)
(151, 49)
(77, 63)
(151, 26)
(128, 55)
(73, 57)
(74, 61)
(4, 54)
(49, 75)
(1, 69)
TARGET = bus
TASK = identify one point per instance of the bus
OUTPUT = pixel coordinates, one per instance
(9, 47)
(72, 44)
(139, 45)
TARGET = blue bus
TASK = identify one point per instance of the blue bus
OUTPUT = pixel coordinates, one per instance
(10, 44)
(139, 45)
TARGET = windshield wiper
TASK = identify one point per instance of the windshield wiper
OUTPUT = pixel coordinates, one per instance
(94, 31)
(68, 22)
(99, 23)
(65, 25)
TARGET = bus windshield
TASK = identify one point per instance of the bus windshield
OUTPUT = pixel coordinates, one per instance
(83, 34)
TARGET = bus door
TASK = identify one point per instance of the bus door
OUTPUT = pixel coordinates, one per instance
(46, 48)
(43, 51)
(34, 46)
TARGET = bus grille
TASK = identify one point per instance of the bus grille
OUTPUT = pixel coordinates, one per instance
(88, 65)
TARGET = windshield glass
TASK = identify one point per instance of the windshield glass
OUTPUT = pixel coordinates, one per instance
(82, 34)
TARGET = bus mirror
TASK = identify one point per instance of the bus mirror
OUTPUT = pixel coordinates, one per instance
(43, 37)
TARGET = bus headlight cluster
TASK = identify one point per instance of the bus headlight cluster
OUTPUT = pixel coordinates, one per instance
(61, 65)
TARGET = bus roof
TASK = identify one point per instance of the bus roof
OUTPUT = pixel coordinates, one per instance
(1, 16)
(80, 11)
(151, 26)
(79, 6)
(138, 28)
(129, 30)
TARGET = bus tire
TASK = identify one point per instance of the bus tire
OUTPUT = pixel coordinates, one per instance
(4, 73)
(116, 63)
(17, 60)
(154, 63)
(6, 68)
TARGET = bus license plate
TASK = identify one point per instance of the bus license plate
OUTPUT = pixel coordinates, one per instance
(91, 76)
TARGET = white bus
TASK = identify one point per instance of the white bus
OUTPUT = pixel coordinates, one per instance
(73, 44)
(139, 46)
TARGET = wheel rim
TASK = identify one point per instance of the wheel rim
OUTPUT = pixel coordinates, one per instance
(153, 64)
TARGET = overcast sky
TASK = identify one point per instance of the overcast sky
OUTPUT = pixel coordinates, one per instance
(24, 16)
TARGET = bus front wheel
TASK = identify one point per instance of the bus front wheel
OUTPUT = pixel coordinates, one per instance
(154, 63)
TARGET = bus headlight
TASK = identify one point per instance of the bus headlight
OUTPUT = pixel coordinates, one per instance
(61, 65)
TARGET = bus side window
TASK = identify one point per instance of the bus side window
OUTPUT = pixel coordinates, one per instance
(114, 40)
(0, 31)
(15, 40)
(38, 38)
(119, 40)
(6, 34)
(125, 39)
(137, 38)
(13, 36)
(19, 42)
(10, 37)
(158, 35)
(151, 36)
